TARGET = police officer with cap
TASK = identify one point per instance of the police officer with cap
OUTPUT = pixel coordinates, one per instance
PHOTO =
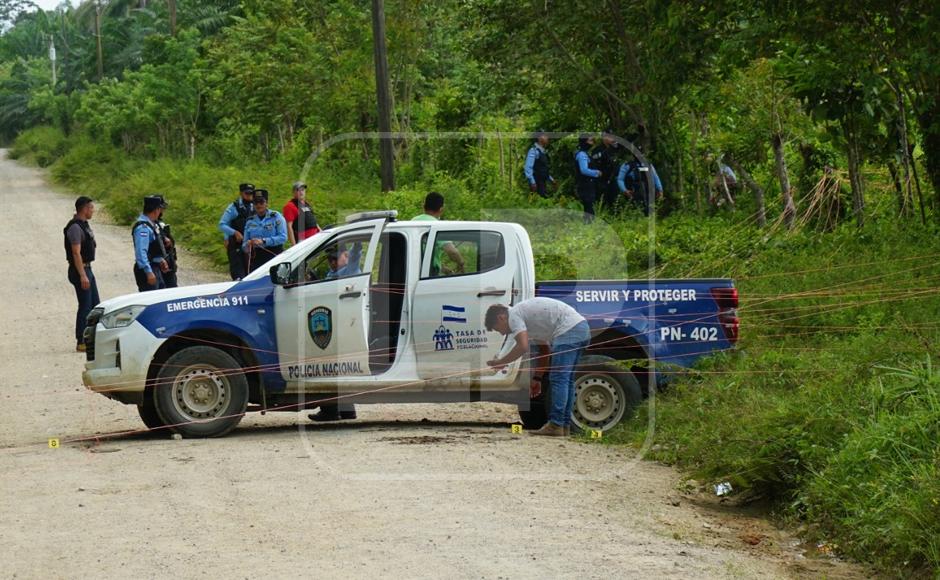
(163, 229)
(149, 252)
(585, 176)
(265, 232)
(536, 165)
(232, 226)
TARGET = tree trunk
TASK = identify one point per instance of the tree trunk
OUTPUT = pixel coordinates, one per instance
(896, 179)
(855, 179)
(98, 50)
(753, 186)
(171, 8)
(929, 121)
(789, 208)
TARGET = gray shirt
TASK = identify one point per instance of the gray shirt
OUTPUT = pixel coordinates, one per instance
(545, 319)
(74, 234)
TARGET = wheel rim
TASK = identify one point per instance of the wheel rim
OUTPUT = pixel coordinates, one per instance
(201, 393)
(599, 402)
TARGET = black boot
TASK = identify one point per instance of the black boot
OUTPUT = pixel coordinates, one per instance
(334, 413)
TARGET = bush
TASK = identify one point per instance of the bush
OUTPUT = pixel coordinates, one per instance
(41, 145)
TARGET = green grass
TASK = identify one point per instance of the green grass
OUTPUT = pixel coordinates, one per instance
(830, 406)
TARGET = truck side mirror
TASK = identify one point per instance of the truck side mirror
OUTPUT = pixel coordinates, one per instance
(280, 274)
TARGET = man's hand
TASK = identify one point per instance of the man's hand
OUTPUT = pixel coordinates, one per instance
(151, 278)
(535, 388)
(167, 243)
(164, 266)
(257, 242)
(238, 236)
(629, 193)
(86, 284)
(659, 194)
(225, 243)
(495, 364)
(533, 188)
(554, 185)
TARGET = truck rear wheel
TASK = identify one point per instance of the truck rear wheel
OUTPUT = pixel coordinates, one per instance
(604, 394)
(201, 392)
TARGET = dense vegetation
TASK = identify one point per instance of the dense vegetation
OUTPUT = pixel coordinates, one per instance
(831, 405)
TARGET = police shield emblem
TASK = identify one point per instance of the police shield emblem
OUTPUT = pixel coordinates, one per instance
(320, 325)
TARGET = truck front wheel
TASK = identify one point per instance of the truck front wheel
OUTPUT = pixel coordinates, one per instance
(604, 395)
(201, 392)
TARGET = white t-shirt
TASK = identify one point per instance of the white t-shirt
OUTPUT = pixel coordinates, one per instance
(545, 319)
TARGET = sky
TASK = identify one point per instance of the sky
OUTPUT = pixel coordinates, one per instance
(47, 4)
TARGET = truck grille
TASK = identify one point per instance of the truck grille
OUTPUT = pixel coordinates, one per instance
(88, 337)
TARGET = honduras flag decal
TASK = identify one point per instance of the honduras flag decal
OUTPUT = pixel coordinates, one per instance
(453, 313)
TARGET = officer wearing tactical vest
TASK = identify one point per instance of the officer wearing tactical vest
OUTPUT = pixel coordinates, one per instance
(301, 222)
(166, 237)
(232, 226)
(265, 232)
(585, 177)
(536, 165)
(149, 252)
(604, 158)
(80, 253)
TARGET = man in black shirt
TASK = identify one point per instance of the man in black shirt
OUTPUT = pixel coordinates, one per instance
(80, 253)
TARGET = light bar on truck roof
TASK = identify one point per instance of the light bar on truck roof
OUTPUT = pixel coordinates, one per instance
(389, 214)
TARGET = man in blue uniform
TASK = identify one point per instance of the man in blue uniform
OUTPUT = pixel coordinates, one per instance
(604, 157)
(265, 232)
(232, 226)
(344, 261)
(149, 252)
(80, 253)
(585, 177)
(633, 182)
(536, 165)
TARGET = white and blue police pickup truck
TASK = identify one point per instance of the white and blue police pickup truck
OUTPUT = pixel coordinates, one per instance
(382, 311)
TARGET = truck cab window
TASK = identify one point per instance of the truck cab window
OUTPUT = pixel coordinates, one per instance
(456, 253)
(340, 258)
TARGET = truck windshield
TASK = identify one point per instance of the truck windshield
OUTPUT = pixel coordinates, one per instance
(290, 255)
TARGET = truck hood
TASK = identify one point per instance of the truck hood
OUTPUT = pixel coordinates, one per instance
(158, 296)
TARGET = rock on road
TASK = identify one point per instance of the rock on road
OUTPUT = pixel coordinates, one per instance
(410, 490)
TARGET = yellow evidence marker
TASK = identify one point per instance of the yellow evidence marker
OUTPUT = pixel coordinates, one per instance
(595, 434)
(517, 429)
(54, 443)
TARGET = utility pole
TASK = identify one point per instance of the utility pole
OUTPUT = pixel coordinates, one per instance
(52, 60)
(386, 157)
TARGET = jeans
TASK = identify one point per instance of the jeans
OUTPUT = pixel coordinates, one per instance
(566, 352)
(87, 299)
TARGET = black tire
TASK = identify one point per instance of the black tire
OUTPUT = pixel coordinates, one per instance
(536, 415)
(605, 394)
(148, 413)
(200, 392)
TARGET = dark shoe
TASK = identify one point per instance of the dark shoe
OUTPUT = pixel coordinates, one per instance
(574, 430)
(323, 416)
(550, 430)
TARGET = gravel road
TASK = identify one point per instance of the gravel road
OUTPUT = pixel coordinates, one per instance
(411, 490)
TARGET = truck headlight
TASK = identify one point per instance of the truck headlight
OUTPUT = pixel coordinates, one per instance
(122, 317)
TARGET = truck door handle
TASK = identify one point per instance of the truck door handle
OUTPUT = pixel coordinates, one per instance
(345, 295)
(491, 293)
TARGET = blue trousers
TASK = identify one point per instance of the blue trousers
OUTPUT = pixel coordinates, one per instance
(87, 299)
(566, 352)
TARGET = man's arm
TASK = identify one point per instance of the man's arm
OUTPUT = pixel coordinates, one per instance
(280, 232)
(583, 165)
(289, 218)
(227, 216)
(529, 167)
(521, 348)
(80, 266)
(451, 250)
(621, 178)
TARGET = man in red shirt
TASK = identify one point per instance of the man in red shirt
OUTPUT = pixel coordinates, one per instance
(301, 223)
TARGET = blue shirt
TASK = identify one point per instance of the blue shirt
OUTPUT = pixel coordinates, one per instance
(271, 229)
(534, 152)
(352, 266)
(584, 162)
(228, 215)
(724, 169)
(143, 236)
(629, 171)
